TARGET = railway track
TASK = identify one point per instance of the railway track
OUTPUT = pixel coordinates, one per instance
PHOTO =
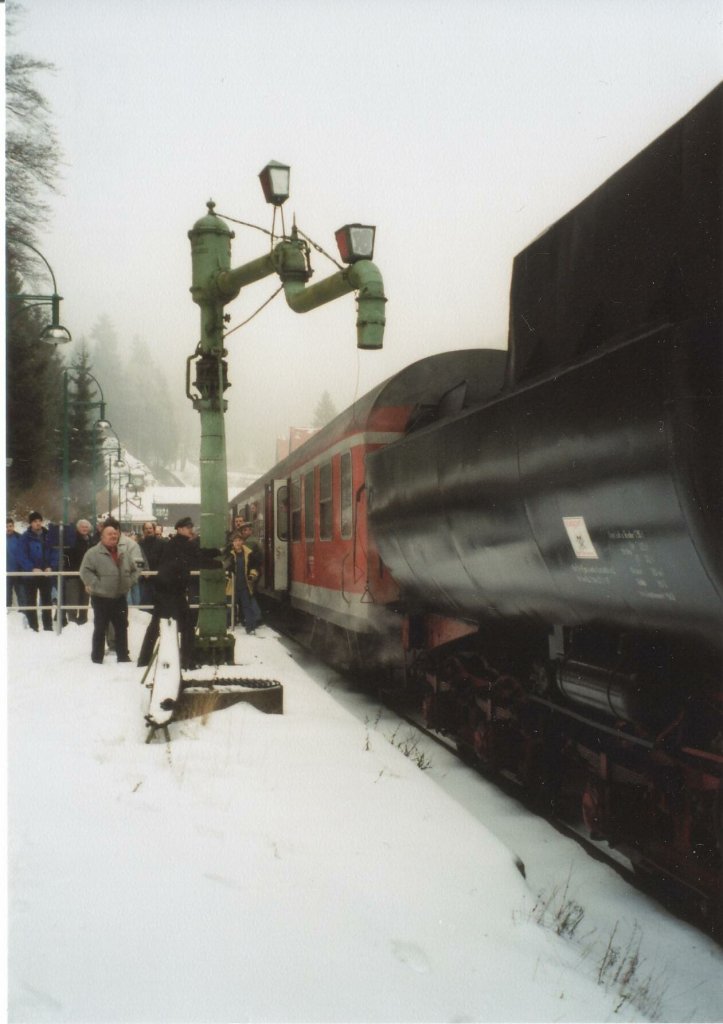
(686, 904)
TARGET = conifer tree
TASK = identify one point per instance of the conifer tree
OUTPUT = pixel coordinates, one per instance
(325, 411)
(84, 411)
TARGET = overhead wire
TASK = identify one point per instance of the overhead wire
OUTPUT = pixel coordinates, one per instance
(257, 227)
(263, 304)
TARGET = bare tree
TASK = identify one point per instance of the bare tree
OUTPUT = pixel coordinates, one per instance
(32, 152)
(33, 375)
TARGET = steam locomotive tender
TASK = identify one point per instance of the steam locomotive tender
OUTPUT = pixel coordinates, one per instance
(531, 539)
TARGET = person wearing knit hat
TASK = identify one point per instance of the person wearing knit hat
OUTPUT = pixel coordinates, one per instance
(37, 555)
(15, 586)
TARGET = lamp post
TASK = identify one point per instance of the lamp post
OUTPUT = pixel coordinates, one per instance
(101, 423)
(214, 284)
(122, 475)
(135, 482)
(118, 464)
(54, 333)
(112, 447)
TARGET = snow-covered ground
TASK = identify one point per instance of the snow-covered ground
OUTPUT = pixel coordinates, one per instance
(298, 867)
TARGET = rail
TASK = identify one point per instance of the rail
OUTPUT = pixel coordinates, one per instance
(61, 606)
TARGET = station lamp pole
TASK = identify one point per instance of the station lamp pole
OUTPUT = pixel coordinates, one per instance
(118, 464)
(100, 424)
(54, 334)
(111, 446)
(133, 481)
(214, 284)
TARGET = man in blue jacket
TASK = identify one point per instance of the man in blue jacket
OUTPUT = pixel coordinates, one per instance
(12, 564)
(37, 555)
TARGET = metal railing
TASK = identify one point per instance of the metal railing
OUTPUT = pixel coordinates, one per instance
(60, 607)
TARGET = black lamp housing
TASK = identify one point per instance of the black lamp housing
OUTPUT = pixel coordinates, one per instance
(275, 182)
(55, 334)
(355, 242)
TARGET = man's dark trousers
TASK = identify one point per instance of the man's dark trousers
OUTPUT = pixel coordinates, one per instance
(113, 610)
(42, 587)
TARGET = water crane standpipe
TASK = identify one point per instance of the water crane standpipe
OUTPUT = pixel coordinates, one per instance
(214, 284)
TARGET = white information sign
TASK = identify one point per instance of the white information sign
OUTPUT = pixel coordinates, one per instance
(579, 537)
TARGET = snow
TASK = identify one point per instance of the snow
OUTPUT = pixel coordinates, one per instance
(296, 867)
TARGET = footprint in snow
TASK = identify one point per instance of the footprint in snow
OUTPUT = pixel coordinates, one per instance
(230, 882)
(411, 955)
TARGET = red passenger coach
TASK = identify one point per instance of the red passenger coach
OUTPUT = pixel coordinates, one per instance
(310, 509)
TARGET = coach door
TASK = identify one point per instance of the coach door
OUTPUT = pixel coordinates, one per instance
(280, 538)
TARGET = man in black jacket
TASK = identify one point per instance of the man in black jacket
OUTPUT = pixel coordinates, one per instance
(75, 592)
(178, 558)
(152, 547)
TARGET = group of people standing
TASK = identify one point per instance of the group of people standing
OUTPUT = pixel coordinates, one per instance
(32, 552)
(111, 569)
(111, 566)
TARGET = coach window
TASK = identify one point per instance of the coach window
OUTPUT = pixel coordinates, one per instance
(325, 502)
(296, 510)
(346, 496)
(282, 513)
(309, 505)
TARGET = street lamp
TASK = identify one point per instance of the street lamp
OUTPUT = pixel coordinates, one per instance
(213, 285)
(134, 481)
(110, 447)
(54, 333)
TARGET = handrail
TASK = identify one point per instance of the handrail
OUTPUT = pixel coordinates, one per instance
(52, 574)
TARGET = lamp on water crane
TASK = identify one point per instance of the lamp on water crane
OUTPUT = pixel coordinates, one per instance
(355, 242)
(275, 182)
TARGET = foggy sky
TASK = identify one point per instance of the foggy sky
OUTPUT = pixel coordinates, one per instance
(462, 129)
